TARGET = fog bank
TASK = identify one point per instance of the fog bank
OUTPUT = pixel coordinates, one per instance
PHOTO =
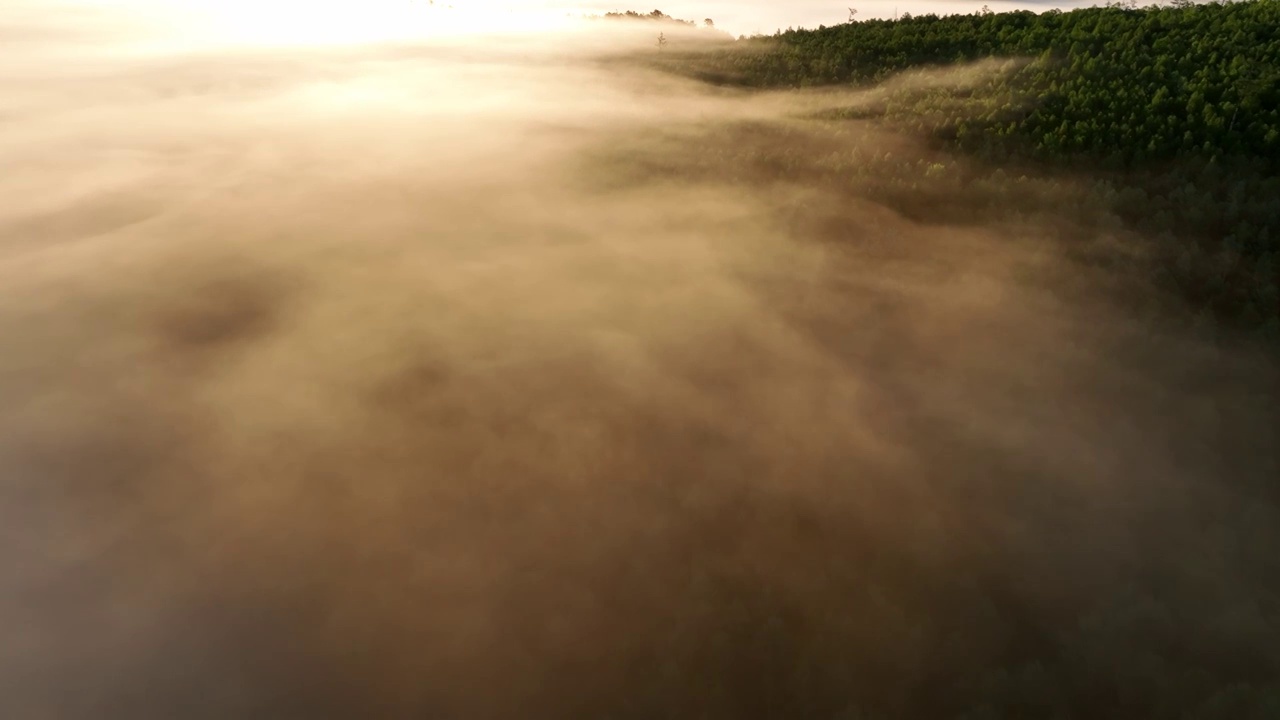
(408, 380)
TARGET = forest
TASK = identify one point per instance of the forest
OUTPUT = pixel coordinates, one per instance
(1173, 112)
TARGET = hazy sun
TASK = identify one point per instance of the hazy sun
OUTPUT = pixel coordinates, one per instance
(353, 21)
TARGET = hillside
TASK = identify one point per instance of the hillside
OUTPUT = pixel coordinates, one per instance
(1172, 112)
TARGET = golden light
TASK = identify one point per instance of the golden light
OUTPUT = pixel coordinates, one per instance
(309, 22)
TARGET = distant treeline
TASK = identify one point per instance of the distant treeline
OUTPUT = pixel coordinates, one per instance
(654, 16)
(1175, 109)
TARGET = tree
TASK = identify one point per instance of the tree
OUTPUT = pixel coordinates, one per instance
(662, 41)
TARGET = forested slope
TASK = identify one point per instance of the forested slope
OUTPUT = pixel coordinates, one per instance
(1173, 113)
(1156, 127)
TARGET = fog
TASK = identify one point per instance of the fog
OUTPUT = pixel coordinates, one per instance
(408, 380)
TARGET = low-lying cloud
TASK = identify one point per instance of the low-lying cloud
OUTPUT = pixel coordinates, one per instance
(418, 381)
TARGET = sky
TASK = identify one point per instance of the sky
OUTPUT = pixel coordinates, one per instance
(359, 20)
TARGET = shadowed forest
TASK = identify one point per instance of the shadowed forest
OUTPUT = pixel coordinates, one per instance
(921, 368)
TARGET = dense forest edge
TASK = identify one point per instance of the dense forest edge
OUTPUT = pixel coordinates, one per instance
(1172, 112)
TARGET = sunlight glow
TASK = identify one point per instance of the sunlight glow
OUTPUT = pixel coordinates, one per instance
(311, 22)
